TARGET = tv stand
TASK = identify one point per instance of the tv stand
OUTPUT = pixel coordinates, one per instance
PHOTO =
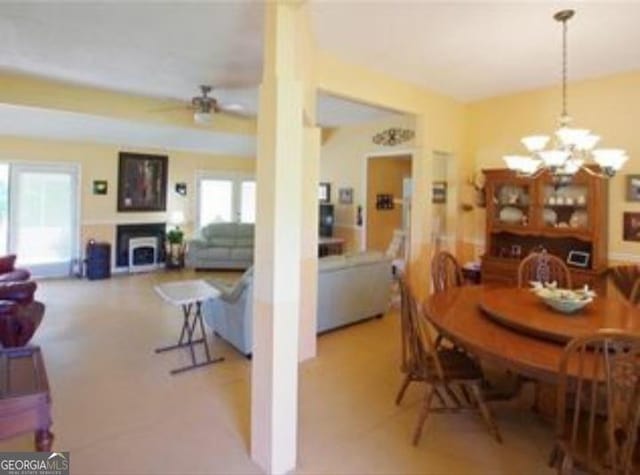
(329, 246)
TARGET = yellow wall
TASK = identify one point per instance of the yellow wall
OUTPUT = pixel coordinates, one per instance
(609, 106)
(20, 89)
(343, 162)
(385, 175)
(99, 214)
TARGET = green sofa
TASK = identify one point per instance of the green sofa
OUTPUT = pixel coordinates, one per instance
(221, 246)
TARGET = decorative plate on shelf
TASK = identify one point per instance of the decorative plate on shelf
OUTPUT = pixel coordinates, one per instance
(549, 216)
(579, 219)
(510, 214)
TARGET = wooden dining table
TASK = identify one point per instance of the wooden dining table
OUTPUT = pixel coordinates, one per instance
(513, 328)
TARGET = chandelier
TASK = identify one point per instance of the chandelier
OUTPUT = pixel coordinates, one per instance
(570, 147)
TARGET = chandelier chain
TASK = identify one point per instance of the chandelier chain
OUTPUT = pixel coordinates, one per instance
(564, 69)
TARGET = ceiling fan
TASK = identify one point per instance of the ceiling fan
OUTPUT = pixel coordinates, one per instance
(204, 106)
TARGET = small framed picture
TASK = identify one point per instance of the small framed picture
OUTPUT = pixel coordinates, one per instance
(345, 196)
(633, 187)
(384, 201)
(578, 258)
(631, 227)
(100, 187)
(439, 195)
(324, 192)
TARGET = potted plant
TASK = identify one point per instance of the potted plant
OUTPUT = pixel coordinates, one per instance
(175, 238)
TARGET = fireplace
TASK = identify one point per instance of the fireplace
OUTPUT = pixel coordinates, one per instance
(126, 232)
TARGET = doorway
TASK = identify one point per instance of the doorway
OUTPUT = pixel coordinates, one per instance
(225, 199)
(388, 198)
(42, 208)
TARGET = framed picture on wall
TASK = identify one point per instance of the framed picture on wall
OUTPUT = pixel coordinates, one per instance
(142, 182)
(345, 196)
(633, 187)
(631, 227)
(439, 193)
(324, 192)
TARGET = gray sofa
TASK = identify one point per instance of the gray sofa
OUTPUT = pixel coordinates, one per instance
(221, 246)
(350, 288)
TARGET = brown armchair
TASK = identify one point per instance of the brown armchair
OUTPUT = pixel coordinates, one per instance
(20, 314)
(8, 273)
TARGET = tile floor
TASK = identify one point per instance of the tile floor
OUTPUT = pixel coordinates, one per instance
(117, 409)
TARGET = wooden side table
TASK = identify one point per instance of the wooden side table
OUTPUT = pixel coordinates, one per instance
(25, 402)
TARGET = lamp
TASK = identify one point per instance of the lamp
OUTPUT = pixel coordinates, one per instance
(571, 147)
(176, 218)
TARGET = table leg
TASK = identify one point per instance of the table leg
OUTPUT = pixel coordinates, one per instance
(192, 317)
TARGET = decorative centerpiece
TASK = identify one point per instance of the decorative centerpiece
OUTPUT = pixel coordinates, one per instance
(563, 300)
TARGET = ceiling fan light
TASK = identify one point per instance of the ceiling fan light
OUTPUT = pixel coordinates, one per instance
(201, 117)
(535, 143)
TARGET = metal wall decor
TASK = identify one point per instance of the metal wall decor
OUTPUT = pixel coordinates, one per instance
(393, 136)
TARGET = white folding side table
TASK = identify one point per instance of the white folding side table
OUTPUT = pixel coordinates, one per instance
(189, 294)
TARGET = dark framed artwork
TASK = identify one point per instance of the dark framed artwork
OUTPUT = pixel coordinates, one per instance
(384, 201)
(631, 227)
(142, 182)
(324, 192)
(100, 187)
(439, 194)
(633, 187)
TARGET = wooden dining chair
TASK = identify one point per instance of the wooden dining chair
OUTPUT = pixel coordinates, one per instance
(598, 405)
(451, 375)
(445, 272)
(412, 352)
(626, 278)
(543, 267)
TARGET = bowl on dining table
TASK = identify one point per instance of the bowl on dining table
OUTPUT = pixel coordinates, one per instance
(566, 301)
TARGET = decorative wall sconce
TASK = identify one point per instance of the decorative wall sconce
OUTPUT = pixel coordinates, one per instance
(478, 186)
(181, 188)
(393, 136)
(100, 187)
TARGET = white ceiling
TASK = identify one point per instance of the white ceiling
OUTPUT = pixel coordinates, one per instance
(156, 49)
(55, 124)
(468, 50)
(472, 49)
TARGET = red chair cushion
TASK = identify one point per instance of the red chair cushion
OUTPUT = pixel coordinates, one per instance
(7, 263)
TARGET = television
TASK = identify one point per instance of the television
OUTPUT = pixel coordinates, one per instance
(325, 226)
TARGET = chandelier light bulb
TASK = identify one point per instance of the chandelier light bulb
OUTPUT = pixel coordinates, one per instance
(572, 166)
(535, 143)
(571, 137)
(554, 158)
(612, 158)
(588, 142)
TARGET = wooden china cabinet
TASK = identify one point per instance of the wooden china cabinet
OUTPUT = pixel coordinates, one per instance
(529, 214)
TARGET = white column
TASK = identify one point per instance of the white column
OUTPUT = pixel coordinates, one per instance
(309, 263)
(276, 300)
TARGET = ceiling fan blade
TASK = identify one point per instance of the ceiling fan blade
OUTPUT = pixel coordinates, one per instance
(184, 107)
